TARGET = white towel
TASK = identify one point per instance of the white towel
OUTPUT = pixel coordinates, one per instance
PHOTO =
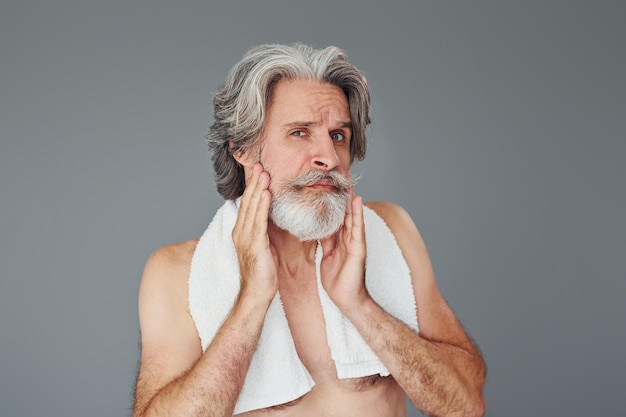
(276, 374)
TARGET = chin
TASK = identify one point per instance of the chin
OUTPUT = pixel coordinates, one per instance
(306, 225)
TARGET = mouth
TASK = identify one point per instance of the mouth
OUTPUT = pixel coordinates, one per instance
(323, 184)
(318, 181)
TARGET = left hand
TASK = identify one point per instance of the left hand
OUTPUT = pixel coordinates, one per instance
(343, 263)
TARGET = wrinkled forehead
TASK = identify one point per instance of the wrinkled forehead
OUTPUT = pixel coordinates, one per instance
(308, 101)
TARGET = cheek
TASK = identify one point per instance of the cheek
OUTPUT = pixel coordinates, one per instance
(285, 164)
(278, 169)
(345, 164)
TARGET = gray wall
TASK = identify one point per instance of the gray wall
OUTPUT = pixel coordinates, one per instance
(500, 127)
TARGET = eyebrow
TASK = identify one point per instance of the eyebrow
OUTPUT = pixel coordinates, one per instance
(297, 123)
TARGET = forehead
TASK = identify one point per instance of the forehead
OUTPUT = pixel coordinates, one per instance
(308, 100)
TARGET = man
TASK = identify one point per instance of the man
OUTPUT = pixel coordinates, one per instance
(273, 311)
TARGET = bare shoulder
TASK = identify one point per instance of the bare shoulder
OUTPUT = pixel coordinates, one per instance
(394, 215)
(410, 241)
(171, 257)
(164, 283)
(402, 227)
(164, 280)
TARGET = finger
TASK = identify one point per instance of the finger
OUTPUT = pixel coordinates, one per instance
(249, 186)
(350, 199)
(358, 229)
(248, 201)
(259, 203)
(347, 221)
(328, 244)
(252, 181)
(261, 215)
(346, 231)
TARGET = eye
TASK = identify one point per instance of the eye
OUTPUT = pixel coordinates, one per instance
(298, 133)
(337, 136)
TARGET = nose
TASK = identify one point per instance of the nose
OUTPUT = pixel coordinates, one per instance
(324, 154)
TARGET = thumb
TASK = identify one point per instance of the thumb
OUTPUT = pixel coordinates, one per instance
(328, 244)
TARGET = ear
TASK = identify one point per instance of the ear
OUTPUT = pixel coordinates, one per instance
(244, 158)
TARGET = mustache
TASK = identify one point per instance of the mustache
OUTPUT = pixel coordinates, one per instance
(308, 178)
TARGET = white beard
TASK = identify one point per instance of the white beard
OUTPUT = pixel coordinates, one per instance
(308, 214)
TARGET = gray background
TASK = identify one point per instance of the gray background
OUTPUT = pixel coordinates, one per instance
(499, 126)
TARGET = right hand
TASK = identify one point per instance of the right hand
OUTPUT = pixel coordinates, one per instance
(257, 258)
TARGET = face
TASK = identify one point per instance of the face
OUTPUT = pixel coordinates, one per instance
(306, 150)
(307, 127)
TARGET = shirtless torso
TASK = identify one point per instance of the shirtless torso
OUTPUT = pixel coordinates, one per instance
(344, 398)
(174, 369)
(368, 396)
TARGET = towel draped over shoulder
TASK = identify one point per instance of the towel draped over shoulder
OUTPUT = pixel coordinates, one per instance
(276, 374)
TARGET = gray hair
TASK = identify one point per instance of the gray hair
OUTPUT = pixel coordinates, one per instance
(240, 104)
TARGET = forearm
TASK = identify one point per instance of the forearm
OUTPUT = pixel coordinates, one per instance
(439, 378)
(211, 387)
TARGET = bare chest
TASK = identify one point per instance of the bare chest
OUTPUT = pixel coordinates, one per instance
(383, 398)
(331, 397)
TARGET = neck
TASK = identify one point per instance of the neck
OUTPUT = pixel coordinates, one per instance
(292, 253)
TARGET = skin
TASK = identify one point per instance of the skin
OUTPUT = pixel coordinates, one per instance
(439, 369)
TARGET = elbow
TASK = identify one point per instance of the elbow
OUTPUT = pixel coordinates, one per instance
(478, 407)
(474, 406)
(139, 412)
(475, 396)
(470, 406)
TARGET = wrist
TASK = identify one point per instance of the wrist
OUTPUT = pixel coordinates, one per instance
(361, 306)
(253, 299)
